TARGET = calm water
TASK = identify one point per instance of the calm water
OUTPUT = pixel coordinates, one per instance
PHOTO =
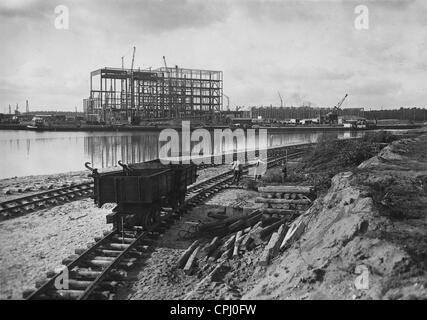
(31, 153)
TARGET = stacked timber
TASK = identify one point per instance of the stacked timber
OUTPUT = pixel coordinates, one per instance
(285, 200)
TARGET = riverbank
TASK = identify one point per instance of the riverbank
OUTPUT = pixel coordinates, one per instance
(158, 128)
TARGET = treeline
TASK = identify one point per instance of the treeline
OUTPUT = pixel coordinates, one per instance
(305, 112)
(409, 114)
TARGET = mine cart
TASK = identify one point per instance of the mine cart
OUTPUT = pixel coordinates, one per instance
(140, 190)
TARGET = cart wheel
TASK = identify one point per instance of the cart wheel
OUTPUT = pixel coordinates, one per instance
(151, 218)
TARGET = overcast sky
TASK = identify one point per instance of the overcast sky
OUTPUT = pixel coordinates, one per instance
(309, 50)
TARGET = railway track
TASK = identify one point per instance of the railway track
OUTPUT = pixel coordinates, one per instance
(19, 206)
(96, 271)
(42, 200)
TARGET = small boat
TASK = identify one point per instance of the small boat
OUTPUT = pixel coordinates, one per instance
(38, 123)
(35, 128)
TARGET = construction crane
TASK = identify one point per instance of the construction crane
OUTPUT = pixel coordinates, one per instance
(333, 115)
(281, 100)
(164, 61)
(339, 104)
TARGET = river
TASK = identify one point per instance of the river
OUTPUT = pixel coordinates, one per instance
(33, 153)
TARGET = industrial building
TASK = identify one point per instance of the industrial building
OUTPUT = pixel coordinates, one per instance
(134, 95)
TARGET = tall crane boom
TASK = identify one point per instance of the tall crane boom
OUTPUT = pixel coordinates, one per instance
(341, 101)
(281, 100)
(164, 61)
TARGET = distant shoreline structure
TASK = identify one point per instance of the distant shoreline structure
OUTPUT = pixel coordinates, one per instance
(128, 128)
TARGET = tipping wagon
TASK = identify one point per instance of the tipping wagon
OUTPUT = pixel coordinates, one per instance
(140, 190)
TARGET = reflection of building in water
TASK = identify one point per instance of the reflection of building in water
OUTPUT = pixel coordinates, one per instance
(280, 139)
(105, 151)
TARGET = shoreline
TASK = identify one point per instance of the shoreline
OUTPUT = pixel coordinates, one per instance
(177, 127)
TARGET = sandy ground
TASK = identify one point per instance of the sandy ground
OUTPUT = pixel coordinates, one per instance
(35, 243)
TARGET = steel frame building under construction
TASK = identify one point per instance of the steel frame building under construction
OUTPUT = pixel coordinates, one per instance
(131, 96)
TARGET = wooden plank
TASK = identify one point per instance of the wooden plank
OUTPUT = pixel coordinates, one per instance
(189, 266)
(271, 228)
(282, 211)
(282, 201)
(286, 189)
(248, 239)
(229, 243)
(281, 235)
(215, 243)
(184, 257)
(237, 244)
(294, 232)
(266, 254)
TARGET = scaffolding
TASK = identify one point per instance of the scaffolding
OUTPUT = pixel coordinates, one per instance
(132, 96)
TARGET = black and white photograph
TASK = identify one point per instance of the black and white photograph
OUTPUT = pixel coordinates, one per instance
(212, 154)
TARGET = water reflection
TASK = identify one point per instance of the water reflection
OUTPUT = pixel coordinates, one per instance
(32, 153)
(105, 151)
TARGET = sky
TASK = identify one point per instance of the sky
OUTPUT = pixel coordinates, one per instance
(309, 50)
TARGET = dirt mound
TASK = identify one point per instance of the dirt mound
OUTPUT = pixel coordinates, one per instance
(370, 226)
